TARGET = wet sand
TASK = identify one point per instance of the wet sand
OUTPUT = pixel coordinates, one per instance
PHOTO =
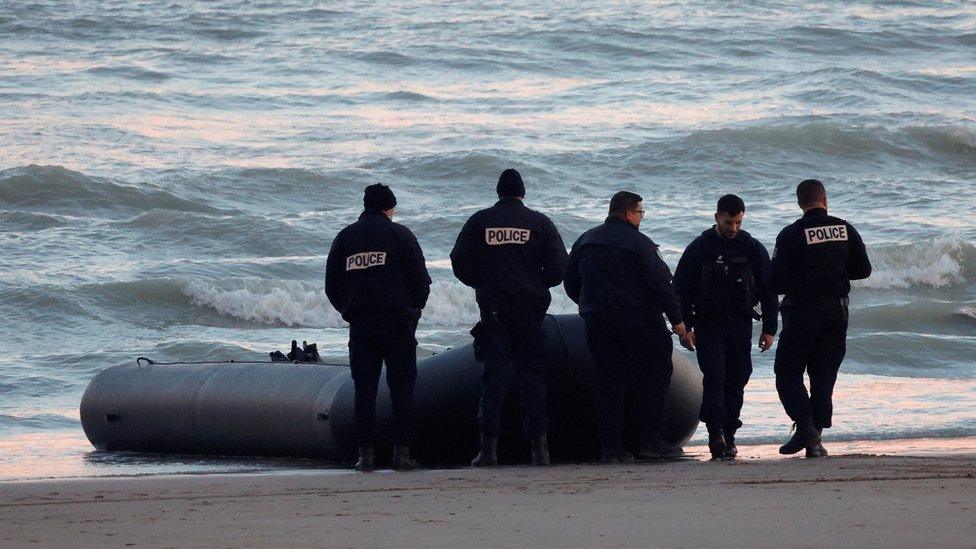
(854, 501)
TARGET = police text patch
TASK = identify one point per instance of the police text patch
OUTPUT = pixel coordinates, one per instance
(819, 235)
(506, 235)
(365, 260)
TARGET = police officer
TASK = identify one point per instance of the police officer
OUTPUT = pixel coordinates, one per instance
(720, 278)
(376, 278)
(622, 286)
(813, 263)
(511, 255)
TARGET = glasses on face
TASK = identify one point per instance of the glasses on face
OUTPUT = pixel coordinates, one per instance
(639, 212)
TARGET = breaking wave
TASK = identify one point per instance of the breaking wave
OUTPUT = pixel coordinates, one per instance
(296, 303)
(945, 261)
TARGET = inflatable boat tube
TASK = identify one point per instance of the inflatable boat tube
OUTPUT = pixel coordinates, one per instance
(275, 409)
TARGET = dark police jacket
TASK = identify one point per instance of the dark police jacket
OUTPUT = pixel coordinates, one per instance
(721, 278)
(614, 268)
(376, 267)
(816, 258)
(510, 255)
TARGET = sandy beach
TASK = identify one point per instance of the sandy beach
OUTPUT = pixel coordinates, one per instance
(851, 501)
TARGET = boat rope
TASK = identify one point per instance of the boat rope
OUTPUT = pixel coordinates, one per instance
(143, 361)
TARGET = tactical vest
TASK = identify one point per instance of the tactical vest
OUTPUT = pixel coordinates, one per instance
(727, 287)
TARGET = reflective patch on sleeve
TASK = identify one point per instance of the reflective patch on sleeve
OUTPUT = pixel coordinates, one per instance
(496, 236)
(365, 260)
(819, 235)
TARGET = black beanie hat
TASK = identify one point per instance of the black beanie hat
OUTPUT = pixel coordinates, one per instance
(510, 184)
(379, 197)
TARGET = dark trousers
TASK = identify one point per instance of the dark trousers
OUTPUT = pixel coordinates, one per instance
(724, 350)
(633, 366)
(814, 339)
(373, 341)
(509, 342)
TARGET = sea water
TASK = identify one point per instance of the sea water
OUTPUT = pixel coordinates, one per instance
(172, 175)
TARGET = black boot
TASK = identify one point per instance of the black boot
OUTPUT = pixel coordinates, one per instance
(805, 436)
(817, 450)
(488, 455)
(367, 459)
(716, 443)
(730, 449)
(615, 455)
(540, 450)
(658, 448)
(401, 459)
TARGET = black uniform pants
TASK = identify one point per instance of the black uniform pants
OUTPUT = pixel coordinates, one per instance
(814, 339)
(633, 367)
(509, 341)
(373, 341)
(724, 348)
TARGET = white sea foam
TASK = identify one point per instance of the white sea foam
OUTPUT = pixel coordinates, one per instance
(938, 263)
(288, 302)
(439, 263)
(296, 303)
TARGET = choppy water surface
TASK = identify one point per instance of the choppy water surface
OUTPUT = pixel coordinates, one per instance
(171, 176)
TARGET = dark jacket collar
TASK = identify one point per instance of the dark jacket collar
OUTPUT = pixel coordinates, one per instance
(371, 213)
(617, 220)
(509, 200)
(815, 212)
